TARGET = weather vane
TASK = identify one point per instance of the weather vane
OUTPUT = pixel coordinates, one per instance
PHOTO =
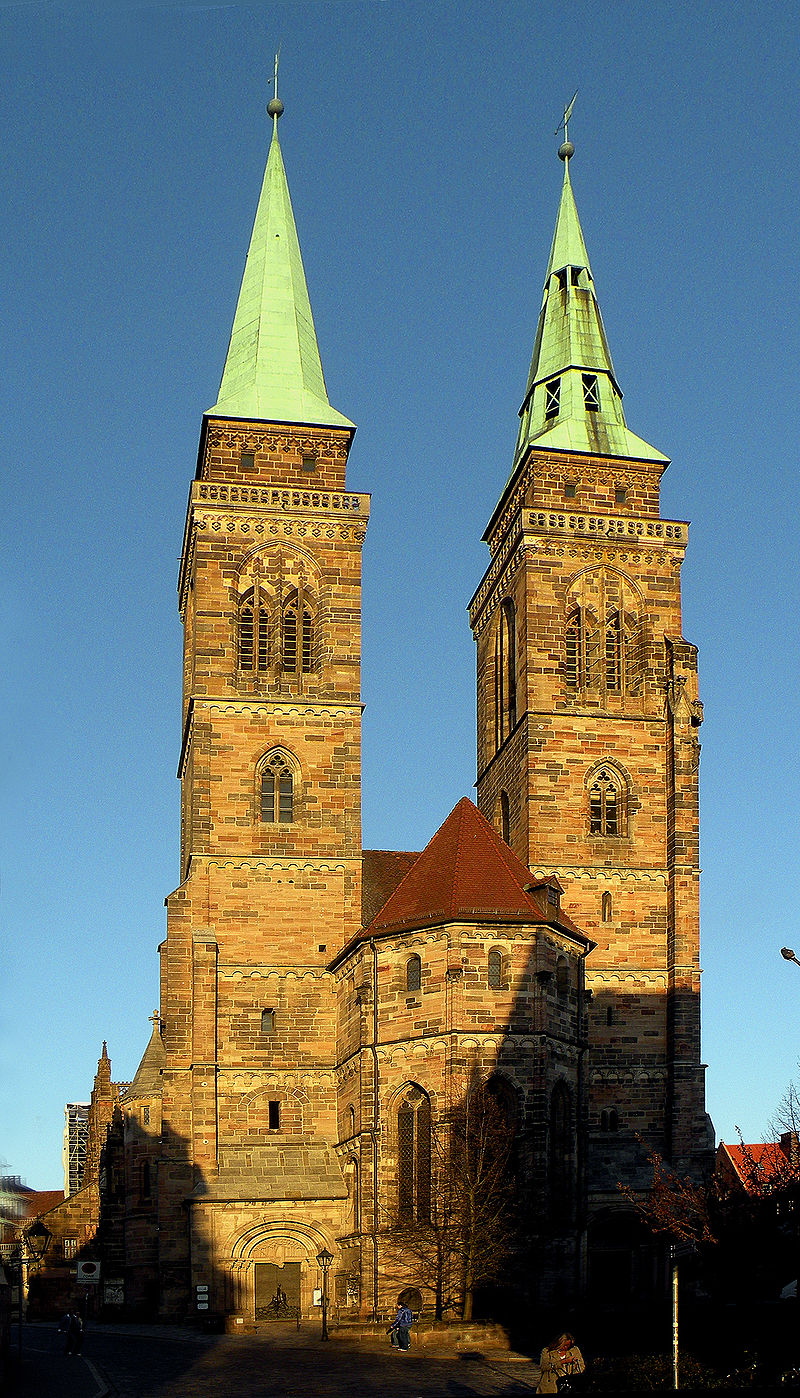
(567, 148)
(275, 107)
(562, 125)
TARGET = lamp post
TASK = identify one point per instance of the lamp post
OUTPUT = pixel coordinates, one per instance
(325, 1259)
(30, 1249)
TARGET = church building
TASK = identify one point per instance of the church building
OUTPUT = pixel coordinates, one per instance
(327, 1012)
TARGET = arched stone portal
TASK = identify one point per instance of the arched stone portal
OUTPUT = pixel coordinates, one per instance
(275, 1254)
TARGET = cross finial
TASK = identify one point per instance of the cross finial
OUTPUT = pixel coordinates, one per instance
(275, 107)
(155, 1018)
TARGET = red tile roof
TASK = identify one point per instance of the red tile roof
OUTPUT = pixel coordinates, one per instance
(757, 1165)
(467, 872)
(39, 1201)
(381, 872)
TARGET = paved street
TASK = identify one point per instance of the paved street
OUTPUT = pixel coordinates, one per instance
(149, 1363)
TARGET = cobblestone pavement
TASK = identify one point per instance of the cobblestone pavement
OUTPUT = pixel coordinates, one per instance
(288, 1364)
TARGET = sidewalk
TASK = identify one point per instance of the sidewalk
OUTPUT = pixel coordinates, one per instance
(46, 1372)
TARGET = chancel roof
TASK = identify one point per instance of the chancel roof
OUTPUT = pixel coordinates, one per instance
(465, 873)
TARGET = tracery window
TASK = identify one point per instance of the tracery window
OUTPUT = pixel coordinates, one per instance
(277, 790)
(254, 628)
(603, 635)
(414, 1155)
(606, 807)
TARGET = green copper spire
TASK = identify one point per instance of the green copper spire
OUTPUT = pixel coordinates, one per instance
(273, 371)
(573, 401)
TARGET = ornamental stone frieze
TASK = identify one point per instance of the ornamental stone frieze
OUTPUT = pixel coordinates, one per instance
(322, 445)
(267, 973)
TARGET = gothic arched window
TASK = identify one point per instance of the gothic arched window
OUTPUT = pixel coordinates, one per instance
(505, 672)
(414, 1155)
(277, 797)
(413, 973)
(297, 634)
(603, 635)
(606, 803)
(253, 631)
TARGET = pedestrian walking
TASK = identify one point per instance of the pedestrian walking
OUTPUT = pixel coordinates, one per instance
(400, 1328)
(562, 1364)
(72, 1327)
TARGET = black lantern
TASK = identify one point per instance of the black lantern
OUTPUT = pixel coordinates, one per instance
(37, 1239)
(324, 1260)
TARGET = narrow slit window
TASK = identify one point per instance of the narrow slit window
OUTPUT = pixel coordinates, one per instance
(606, 907)
(413, 973)
(267, 1021)
(495, 970)
(274, 1116)
(290, 640)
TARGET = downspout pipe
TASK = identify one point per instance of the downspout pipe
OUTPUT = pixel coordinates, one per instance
(375, 1127)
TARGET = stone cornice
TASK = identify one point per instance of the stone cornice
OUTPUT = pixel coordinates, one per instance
(340, 516)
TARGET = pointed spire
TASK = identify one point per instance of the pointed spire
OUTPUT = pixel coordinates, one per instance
(273, 370)
(573, 401)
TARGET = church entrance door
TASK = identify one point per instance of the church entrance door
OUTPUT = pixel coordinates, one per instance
(277, 1291)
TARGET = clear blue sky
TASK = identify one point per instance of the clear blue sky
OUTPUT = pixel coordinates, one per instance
(418, 140)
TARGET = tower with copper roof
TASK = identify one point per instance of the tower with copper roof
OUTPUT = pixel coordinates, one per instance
(588, 718)
(269, 594)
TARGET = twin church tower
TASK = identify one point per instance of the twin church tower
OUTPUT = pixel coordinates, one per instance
(325, 1008)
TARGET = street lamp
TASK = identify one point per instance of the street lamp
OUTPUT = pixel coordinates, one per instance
(788, 955)
(30, 1249)
(325, 1259)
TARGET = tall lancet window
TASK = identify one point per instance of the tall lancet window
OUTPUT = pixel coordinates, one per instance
(298, 634)
(414, 1155)
(277, 790)
(254, 624)
(505, 672)
(607, 803)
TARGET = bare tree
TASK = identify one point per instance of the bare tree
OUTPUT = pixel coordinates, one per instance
(469, 1233)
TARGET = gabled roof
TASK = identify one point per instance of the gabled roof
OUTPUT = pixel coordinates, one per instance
(467, 873)
(40, 1201)
(273, 370)
(755, 1166)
